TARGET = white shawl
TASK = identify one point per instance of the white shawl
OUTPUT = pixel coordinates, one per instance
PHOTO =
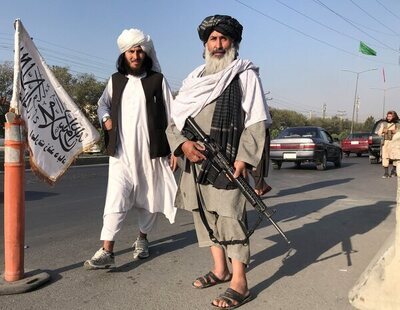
(198, 91)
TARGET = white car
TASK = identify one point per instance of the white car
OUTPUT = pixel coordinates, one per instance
(305, 144)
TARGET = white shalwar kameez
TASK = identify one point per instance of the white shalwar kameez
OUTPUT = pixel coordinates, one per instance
(136, 180)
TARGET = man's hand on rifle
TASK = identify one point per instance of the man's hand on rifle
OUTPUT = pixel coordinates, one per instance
(240, 168)
(193, 151)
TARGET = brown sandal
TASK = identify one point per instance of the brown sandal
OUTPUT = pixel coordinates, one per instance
(210, 279)
(230, 296)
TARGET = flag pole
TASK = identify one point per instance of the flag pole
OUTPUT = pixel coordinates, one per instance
(15, 279)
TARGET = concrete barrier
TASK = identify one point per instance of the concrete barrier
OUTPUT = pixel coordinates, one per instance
(379, 285)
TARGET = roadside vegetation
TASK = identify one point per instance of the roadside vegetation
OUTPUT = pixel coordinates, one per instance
(85, 90)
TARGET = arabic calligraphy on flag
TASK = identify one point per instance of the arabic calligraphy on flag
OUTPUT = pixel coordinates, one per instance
(57, 130)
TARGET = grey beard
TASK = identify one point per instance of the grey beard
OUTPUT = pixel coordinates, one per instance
(215, 64)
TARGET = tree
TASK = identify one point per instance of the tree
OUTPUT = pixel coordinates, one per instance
(6, 80)
(65, 78)
(84, 89)
(369, 124)
(286, 118)
(87, 92)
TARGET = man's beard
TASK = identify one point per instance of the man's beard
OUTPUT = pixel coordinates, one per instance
(216, 64)
(136, 71)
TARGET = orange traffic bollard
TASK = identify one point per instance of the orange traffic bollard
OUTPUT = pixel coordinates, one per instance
(16, 281)
(14, 200)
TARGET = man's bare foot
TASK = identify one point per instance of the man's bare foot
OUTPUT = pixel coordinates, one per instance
(231, 299)
(211, 279)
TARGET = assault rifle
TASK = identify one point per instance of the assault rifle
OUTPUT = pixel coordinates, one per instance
(218, 159)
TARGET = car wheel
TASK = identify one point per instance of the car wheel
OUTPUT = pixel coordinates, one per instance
(359, 154)
(322, 164)
(297, 164)
(338, 161)
(276, 164)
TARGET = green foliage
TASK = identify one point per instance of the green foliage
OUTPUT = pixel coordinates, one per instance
(6, 80)
(368, 124)
(286, 118)
(84, 89)
(338, 127)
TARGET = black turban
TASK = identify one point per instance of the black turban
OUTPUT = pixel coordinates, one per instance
(224, 24)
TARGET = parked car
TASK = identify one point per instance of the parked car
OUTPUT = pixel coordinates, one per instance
(305, 144)
(375, 143)
(356, 142)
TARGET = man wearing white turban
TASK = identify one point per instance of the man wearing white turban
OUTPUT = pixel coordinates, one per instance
(134, 112)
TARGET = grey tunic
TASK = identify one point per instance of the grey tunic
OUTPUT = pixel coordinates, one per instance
(229, 203)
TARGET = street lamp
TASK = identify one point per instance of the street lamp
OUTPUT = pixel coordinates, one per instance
(384, 97)
(355, 93)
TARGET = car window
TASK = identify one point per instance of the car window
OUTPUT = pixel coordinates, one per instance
(299, 132)
(358, 135)
(377, 126)
(310, 134)
(326, 136)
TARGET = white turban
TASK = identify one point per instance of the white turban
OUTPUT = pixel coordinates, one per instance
(135, 37)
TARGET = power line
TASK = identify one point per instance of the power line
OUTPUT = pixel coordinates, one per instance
(314, 38)
(295, 29)
(373, 17)
(351, 23)
(330, 28)
(289, 104)
(75, 57)
(306, 107)
(390, 11)
(319, 23)
(316, 21)
(70, 49)
(373, 30)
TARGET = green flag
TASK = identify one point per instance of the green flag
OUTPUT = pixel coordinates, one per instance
(365, 49)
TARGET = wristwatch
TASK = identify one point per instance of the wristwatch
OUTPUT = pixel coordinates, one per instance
(105, 118)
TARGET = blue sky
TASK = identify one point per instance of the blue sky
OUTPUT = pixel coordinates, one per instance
(300, 60)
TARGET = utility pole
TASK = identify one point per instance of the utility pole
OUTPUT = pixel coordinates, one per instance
(341, 114)
(324, 111)
(357, 108)
(355, 93)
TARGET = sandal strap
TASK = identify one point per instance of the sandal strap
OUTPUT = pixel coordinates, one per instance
(208, 278)
(234, 295)
(212, 276)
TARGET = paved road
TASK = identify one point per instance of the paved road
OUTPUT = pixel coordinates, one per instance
(337, 220)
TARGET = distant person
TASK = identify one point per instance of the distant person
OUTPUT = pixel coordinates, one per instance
(387, 130)
(226, 99)
(134, 111)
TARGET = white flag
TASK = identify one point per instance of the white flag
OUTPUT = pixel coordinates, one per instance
(57, 131)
